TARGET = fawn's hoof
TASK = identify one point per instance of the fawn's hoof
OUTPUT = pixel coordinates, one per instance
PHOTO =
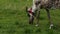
(51, 26)
(36, 25)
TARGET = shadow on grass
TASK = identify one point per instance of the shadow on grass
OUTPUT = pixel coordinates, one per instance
(56, 27)
(42, 18)
(28, 31)
(0, 27)
(50, 31)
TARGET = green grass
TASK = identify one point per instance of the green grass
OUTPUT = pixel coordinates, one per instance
(14, 20)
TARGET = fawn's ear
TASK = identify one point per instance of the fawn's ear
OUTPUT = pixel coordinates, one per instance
(26, 9)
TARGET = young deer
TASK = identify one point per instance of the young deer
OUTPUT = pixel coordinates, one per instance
(37, 5)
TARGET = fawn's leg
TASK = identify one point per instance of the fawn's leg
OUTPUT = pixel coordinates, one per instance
(49, 18)
(37, 17)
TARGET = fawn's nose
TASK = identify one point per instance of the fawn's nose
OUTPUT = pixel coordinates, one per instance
(30, 10)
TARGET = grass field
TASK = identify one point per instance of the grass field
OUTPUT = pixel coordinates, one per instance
(14, 20)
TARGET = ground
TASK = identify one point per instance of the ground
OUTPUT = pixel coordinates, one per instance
(14, 19)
